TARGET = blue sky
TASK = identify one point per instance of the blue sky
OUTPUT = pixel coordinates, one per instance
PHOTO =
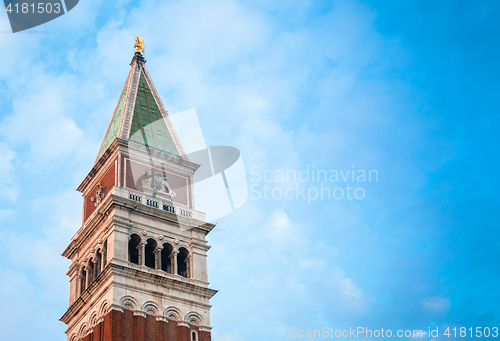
(407, 88)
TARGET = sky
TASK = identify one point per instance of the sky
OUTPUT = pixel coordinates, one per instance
(406, 89)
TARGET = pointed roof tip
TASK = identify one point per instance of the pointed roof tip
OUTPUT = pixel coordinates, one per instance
(139, 57)
(140, 110)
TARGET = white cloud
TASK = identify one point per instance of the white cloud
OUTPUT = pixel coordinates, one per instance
(244, 75)
(8, 187)
(4, 213)
(39, 119)
(15, 293)
(33, 271)
(280, 228)
(349, 290)
(436, 304)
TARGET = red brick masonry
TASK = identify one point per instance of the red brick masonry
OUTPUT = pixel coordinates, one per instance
(118, 326)
(107, 182)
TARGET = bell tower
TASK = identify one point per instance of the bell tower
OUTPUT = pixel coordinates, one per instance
(139, 261)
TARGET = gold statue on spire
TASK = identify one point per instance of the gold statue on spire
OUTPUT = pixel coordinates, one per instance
(139, 44)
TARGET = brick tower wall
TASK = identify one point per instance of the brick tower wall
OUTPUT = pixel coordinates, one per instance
(125, 326)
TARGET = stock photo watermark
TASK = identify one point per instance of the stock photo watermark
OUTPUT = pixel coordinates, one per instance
(310, 183)
(364, 332)
(26, 14)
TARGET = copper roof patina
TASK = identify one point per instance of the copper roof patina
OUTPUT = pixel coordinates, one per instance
(148, 126)
(114, 126)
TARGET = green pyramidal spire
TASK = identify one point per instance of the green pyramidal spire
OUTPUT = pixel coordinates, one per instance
(114, 125)
(140, 116)
(148, 126)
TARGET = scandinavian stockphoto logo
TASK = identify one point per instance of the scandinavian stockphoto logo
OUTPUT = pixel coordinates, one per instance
(219, 183)
(310, 183)
(26, 14)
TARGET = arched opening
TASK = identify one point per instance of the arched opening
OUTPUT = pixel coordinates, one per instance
(182, 262)
(91, 270)
(194, 335)
(105, 254)
(83, 280)
(133, 249)
(98, 263)
(166, 260)
(150, 254)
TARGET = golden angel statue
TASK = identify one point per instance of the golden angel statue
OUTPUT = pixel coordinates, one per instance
(139, 44)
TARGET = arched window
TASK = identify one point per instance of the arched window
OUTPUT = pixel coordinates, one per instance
(105, 254)
(83, 280)
(91, 270)
(150, 254)
(133, 249)
(194, 335)
(166, 258)
(182, 262)
(98, 260)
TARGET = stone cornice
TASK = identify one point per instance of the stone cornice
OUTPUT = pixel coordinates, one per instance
(166, 281)
(112, 270)
(155, 155)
